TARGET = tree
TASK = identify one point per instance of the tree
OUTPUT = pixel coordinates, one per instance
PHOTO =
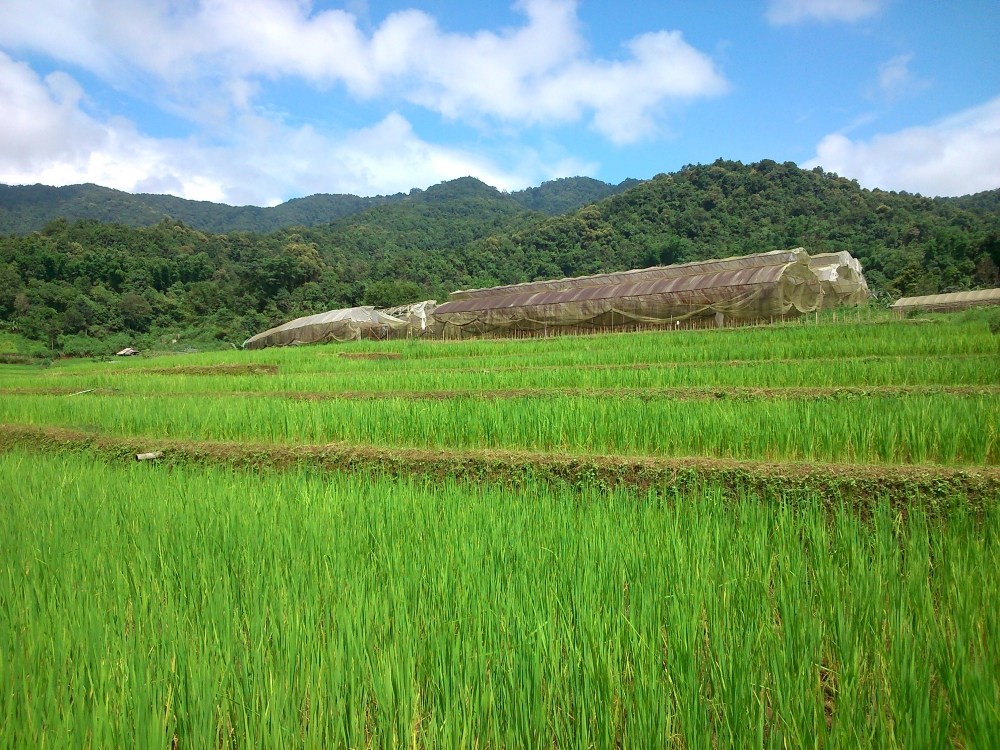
(136, 311)
(392, 292)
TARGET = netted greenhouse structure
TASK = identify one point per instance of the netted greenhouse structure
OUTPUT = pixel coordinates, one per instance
(948, 302)
(419, 316)
(841, 277)
(765, 286)
(349, 324)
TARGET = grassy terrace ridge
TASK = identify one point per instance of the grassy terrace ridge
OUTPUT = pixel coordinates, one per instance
(974, 369)
(647, 394)
(904, 488)
(887, 393)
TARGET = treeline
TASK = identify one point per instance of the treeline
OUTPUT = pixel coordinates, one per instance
(86, 286)
(28, 208)
(908, 244)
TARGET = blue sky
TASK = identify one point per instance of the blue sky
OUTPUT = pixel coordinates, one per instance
(259, 101)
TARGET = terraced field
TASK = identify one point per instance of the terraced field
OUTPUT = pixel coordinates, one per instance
(764, 537)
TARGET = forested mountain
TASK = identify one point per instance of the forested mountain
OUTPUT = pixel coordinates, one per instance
(87, 286)
(28, 208)
(985, 202)
(567, 194)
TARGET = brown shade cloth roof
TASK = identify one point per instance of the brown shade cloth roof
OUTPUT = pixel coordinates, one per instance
(735, 263)
(748, 287)
(706, 282)
(954, 300)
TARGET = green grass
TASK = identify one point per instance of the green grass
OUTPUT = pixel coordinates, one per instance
(146, 603)
(972, 370)
(911, 429)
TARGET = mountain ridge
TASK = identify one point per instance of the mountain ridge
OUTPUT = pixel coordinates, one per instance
(28, 208)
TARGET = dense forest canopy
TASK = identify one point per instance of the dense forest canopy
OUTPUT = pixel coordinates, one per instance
(28, 208)
(86, 286)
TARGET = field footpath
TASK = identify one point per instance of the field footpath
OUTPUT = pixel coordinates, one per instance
(933, 488)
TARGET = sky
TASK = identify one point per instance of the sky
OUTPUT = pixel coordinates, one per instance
(260, 101)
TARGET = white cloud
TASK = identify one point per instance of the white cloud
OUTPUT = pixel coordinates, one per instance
(207, 56)
(787, 12)
(955, 156)
(896, 80)
(48, 137)
(214, 63)
(42, 119)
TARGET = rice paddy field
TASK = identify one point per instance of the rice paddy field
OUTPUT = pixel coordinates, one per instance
(783, 536)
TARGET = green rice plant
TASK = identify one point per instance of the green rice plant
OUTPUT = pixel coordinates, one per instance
(899, 429)
(184, 607)
(975, 370)
(954, 351)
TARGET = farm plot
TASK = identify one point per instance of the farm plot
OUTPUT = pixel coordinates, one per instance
(742, 538)
(947, 429)
(183, 607)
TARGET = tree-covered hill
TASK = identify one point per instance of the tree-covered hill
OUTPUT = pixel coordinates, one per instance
(567, 194)
(908, 244)
(28, 208)
(414, 248)
(986, 202)
(85, 286)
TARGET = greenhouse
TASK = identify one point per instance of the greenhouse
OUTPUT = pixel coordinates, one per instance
(947, 302)
(729, 291)
(348, 324)
(765, 286)
(841, 278)
(418, 316)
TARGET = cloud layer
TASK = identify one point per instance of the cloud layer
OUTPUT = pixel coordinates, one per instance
(50, 139)
(208, 62)
(217, 71)
(786, 12)
(955, 156)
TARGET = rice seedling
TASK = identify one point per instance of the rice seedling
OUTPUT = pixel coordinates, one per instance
(182, 607)
(952, 351)
(907, 429)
